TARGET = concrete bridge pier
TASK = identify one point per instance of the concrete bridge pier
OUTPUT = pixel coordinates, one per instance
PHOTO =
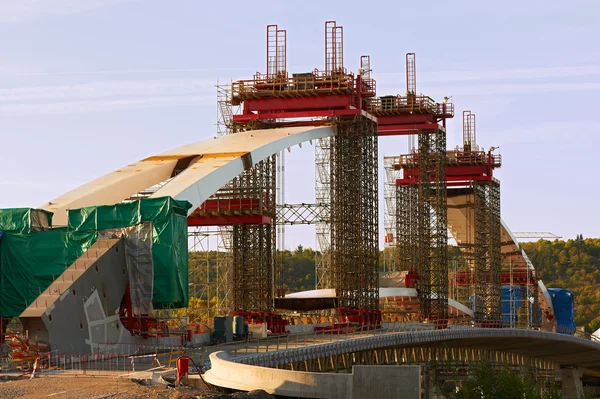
(571, 382)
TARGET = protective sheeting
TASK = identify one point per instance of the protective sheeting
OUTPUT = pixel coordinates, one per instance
(564, 310)
(140, 266)
(29, 263)
(24, 220)
(169, 240)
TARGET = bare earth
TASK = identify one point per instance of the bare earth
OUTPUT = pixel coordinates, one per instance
(104, 388)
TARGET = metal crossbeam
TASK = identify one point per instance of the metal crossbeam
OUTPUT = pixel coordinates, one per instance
(303, 213)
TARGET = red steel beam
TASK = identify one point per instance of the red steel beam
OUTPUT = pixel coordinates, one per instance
(227, 204)
(302, 114)
(195, 221)
(517, 278)
(300, 103)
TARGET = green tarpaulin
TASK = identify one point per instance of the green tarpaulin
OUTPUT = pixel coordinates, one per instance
(24, 220)
(30, 260)
(29, 263)
(169, 240)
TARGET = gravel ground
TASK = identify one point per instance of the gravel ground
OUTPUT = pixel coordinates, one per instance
(105, 388)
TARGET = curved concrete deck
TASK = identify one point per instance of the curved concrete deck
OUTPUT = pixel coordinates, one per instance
(563, 349)
(208, 165)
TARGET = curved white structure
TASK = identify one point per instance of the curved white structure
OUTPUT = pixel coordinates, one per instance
(455, 309)
(461, 225)
(207, 166)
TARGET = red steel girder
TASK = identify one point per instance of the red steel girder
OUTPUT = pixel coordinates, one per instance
(272, 104)
(229, 204)
(303, 114)
(449, 183)
(194, 221)
(506, 278)
(400, 130)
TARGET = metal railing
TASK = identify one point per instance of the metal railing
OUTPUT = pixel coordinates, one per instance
(299, 85)
(394, 105)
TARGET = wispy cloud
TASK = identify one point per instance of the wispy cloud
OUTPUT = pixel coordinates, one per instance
(561, 72)
(105, 95)
(14, 183)
(15, 11)
(494, 89)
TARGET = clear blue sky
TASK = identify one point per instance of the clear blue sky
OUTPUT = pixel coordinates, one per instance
(87, 86)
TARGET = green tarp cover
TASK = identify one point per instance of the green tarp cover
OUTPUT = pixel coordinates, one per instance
(29, 263)
(169, 240)
(30, 260)
(24, 220)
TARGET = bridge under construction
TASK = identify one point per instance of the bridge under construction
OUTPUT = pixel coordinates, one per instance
(105, 266)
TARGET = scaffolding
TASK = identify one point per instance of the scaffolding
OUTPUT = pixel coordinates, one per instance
(392, 173)
(488, 258)
(477, 277)
(421, 220)
(354, 215)
(323, 227)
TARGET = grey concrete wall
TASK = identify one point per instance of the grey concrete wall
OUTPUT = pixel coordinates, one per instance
(376, 382)
(386, 382)
(299, 384)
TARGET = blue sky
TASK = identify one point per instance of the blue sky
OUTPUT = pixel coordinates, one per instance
(87, 86)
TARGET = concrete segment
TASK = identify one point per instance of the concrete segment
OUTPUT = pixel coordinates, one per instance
(386, 382)
(382, 382)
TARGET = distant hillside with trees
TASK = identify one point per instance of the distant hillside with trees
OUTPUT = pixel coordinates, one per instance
(573, 265)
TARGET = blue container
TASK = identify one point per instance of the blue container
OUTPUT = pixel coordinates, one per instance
(564, 310)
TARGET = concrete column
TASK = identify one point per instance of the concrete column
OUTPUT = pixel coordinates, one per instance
(386, 382)
(571, 382)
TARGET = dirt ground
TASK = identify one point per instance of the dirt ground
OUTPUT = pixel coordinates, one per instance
(104, 388)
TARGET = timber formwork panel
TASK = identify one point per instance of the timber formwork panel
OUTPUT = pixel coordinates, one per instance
(354, 214)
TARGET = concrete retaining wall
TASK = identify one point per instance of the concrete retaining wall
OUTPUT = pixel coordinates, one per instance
(366, 381)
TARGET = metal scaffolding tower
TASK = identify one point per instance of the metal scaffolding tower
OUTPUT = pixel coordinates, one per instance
(354, 215)
(476, 196)
(416, 216)
(488, 259)
(421, 224)
(323, 227)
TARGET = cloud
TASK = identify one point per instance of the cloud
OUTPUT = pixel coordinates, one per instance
(13, 183)
(498, 88)
(104, 89)
(105, 95)
(102, 105)
(16, 11)
(565, 71)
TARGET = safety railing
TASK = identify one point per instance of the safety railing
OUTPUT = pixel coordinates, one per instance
(394, 105)
(299, 85)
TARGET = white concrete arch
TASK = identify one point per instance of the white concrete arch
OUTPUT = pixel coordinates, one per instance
(208, 164)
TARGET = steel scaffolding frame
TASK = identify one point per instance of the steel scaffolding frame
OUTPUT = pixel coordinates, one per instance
(487, 251)
(253, 248)
(354, 215)
(421, 220)
(323, 227)
(392, 173)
